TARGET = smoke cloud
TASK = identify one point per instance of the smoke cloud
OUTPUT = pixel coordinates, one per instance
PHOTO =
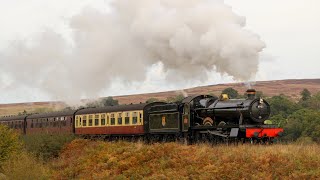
(188, 38)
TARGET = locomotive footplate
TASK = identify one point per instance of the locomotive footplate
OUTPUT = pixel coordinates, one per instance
(213, 127)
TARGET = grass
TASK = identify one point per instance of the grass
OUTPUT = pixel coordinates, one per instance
(55, 157)
(84, 159)
(26, 166)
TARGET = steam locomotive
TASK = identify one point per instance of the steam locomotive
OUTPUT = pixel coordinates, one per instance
(196, 119)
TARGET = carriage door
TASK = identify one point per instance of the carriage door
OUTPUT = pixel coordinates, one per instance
(186, 117)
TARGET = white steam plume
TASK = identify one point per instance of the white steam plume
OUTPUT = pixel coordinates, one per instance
(189, 38)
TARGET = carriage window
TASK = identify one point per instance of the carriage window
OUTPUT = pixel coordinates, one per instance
(77, 121)
(103, 119)
(96, 120)
(64, 121)
(140, 117)
(90, 120)
(55, 122)
(112, 119)
(119, 118)
(51, 122)
(84, 120)
(134, 118)
(127, 118)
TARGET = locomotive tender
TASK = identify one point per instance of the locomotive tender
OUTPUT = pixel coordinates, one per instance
(196, 118)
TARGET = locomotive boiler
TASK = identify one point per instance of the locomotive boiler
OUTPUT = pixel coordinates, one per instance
(203, 118)
(234, 111)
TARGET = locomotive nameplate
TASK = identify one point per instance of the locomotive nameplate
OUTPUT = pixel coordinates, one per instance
(185, 120)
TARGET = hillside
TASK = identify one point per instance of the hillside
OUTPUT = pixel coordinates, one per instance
(15, 108)
(291, 88)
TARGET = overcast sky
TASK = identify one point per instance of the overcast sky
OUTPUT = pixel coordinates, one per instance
(289, 28)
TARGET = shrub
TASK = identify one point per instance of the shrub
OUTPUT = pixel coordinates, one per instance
(232, 93)
(46, 146)
(9, 143)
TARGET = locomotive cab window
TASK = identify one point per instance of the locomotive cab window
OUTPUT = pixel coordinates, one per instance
(186, 109)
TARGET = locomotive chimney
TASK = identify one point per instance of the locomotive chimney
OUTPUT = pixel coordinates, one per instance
(251, 93)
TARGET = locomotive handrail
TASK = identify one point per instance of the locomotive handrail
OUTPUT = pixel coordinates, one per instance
(230, 107)
(162, 111)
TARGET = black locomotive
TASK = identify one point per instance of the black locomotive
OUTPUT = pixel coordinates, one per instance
(203, 118)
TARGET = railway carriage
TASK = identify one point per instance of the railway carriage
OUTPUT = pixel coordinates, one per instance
(14, 122)
(54, 122)
(122, 120)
